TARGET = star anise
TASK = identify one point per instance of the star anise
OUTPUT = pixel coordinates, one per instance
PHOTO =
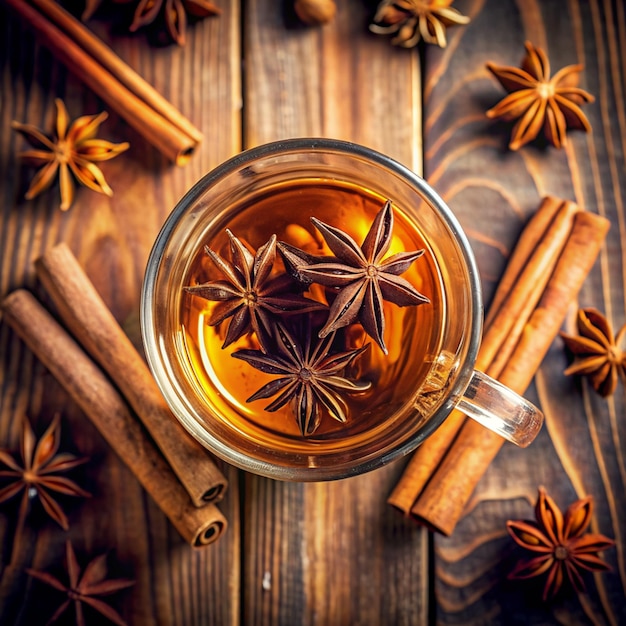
(172, 12)
(36, 474)
(250, 296)
(412, 20)
(561, 544)
(74, 151)
(91, 6)
(538, 101)
(310, 376)
(359, 273)
(598, 353)
(83, 589)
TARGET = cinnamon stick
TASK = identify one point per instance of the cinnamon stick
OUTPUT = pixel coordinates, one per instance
(441, 503)
(518, 292)
(531, 235)
(107, 75)
(88, 318)
(90, 388)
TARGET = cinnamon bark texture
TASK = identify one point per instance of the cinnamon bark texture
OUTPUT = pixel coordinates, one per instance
(547, 269)
(90, 388)
(88, 318)
(125, 91)
(519, 290)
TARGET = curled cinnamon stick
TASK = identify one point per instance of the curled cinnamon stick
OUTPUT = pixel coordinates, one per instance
(107, 75)
(534, 231)
(102, 404)
(517, 294)
(508, 319)
(88, 318)
(441, 503)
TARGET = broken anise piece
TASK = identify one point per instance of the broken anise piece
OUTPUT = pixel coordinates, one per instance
(74, 151)
(362, 278)
(91, 6)
(538, 101)
(173, 13)
(310, 376)
(36, 474)
(412, 20)
(250, 295)
(598, 354)
(560, 543)
(84, 589)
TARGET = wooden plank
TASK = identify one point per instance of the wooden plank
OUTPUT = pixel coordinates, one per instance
(112, 239)
(330, 553)
(336, 81)
(493, 191)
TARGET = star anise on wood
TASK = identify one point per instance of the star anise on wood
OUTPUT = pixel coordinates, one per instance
(412, 20)
(598, 354)
(250, 296)
(539, 101)
(74, 152)
(91, 6)
(36, 474)
(310, 376)
(173, 13)
(84, 589)
(560, 543)
(362, 278)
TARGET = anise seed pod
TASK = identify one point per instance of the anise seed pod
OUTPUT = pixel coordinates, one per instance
(314, 12)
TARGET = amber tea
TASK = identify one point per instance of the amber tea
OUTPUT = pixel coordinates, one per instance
(263, 306)
(230, 361)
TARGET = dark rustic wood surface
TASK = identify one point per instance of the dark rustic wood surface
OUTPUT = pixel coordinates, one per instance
(492, 190)
(330, 553)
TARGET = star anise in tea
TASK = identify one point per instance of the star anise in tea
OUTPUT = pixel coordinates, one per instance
(251, 295)
(73, 153)
(361, 276)
(173, 14)
(36, 473)
(562, 548)
(540, 102)
(412, 20)
(84, 589)
(310, 376)
(598, 354)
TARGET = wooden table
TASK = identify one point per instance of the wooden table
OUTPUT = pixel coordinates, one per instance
(331, 553)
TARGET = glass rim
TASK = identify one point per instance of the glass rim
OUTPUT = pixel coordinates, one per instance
(299, 145)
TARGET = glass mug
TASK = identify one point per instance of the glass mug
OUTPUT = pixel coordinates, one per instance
(275, 189)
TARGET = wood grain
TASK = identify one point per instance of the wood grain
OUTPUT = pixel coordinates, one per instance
(112, 239)
(330, 553)
(493, 191)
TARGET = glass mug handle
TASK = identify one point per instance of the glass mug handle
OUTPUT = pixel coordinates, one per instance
(500, 409)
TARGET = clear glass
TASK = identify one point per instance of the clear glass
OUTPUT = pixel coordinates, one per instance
(421, 395)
